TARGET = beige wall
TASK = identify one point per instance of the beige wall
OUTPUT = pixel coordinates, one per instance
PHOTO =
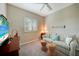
(68, 16)
(3, 9)
(16, 17)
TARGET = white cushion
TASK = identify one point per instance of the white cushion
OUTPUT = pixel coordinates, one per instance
(68, 40)
(47, 39)
(61, 44)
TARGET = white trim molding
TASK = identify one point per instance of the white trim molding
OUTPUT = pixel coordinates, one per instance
(21, 44)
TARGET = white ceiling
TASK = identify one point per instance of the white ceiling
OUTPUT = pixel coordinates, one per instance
(35, 7)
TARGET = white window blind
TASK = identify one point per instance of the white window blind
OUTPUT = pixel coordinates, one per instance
(30, 25)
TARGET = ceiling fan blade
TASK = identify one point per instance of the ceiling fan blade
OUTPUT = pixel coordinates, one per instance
(42, 7)
(48, 6)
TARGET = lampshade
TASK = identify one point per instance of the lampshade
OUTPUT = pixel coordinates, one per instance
(44, 29)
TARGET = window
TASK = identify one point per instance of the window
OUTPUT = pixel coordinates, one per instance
(30, 25)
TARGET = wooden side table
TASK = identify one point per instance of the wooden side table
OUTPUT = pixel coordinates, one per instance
(43, 43)
(51, 49)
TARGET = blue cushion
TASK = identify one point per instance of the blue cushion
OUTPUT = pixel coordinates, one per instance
(55, 37)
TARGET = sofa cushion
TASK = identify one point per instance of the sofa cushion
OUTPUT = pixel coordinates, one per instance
(47, 39)
(61, 44)
(62, 50)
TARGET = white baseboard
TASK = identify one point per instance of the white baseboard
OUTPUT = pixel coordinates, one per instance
(21, 44)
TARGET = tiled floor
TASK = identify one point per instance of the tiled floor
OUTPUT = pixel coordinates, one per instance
(32, 49)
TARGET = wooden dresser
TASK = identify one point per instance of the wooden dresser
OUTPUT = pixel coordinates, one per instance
(11, 49)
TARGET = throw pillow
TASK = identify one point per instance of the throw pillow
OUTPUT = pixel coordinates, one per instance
(68, 40)
(55, 37)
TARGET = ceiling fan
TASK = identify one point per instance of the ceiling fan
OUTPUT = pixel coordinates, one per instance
(47, 5)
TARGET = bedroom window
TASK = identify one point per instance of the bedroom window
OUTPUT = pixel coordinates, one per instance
(30, 25)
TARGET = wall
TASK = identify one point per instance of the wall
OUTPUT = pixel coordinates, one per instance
(3, 9)
(16, 17)
(68, 16)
